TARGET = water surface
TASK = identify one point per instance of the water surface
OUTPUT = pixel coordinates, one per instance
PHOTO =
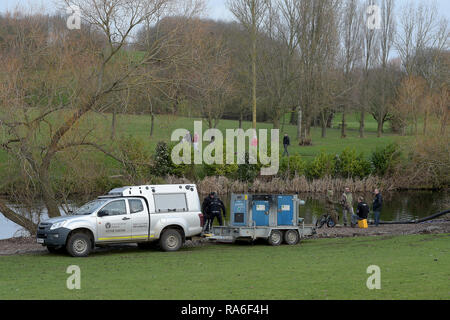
(397, 206)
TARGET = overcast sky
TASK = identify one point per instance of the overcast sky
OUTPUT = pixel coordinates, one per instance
(216, 8)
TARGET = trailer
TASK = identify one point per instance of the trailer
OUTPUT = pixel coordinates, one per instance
(262, 216)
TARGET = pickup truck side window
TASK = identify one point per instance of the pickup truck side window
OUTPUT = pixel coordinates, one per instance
(135, 205)
(174, 202)
(115, 208)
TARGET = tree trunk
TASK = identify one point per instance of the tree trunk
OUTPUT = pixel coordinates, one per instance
(22, 221)
(425, 121)
(283, 123)
(113, 125)
(276, 120)
(416, 128)
(48, 194)
(152, 124)
(299, 123)
(380, 127)
(254, 72)
(293, 117)
(443, 124)
(362, 123)
(343, 125)
(276, 123)
(324, 129)
(330, 120)
(306, 130)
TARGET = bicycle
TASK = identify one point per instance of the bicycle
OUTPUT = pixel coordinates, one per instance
(326, 218)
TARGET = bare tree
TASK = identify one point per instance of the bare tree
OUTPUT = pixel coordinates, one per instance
(68, 78)
(351, 33)
(422, 39)
(385, 42)
(410, 102)
(370, 51)
(251, 14)
(441, 103)
(421, 28)
(278, 58)
(316, 31)
(210, 75)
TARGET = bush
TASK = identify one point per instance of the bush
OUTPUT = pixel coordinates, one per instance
(322, 165)
(384, 160)
(164, 166)
(349, 164)
(181, 170)
(162, 162)
(291, 166)
(247, 172)
(224, 169)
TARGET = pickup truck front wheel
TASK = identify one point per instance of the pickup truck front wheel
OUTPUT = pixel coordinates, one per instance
(79, 245)
(171, 240)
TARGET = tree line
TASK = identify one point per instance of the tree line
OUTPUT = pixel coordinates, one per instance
(306, 58)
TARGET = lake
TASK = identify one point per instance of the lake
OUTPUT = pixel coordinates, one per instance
(402, 206)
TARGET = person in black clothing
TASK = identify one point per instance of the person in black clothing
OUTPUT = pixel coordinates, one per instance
(362, 211)
(286, 143)
(211, 208)
(376, 206)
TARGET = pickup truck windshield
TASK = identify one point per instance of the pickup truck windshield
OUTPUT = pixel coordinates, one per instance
(89, 207)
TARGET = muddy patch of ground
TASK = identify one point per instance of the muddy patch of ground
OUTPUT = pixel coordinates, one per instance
(430, 227)
(28, 245)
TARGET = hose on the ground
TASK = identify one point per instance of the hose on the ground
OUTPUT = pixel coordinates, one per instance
(433, 216)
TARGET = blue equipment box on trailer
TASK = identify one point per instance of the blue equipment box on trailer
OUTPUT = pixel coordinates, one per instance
(263, 210)
(271, 217)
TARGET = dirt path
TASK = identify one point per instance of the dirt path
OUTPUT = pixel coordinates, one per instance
(29, 246)
(436, 226)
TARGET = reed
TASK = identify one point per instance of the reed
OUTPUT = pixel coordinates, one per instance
(298, 184)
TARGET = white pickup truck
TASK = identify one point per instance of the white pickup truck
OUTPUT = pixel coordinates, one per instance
(166, 215)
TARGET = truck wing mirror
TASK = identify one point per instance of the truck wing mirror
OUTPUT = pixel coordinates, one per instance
(102, 213)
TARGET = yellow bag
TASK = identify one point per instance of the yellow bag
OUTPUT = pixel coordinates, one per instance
(362, 224)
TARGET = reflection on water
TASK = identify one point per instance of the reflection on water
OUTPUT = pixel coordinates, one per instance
(397, 206)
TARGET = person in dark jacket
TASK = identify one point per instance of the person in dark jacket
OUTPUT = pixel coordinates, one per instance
(286, 143)
(213, 207)
(377, 206)
(362, 211)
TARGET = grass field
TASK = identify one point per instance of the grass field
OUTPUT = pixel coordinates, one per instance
(139, 126)
(412, 267)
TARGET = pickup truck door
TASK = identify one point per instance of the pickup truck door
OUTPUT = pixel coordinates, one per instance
(116, 226)
(139, 219)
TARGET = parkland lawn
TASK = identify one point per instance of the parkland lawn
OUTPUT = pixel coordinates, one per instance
(138, 126)
(412, 267)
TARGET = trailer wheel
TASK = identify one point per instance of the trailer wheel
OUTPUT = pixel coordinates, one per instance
(79, 245)
(275, 238)
(291, 237)
(171, 240)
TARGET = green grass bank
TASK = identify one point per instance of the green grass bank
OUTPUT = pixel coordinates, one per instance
(412, 267)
